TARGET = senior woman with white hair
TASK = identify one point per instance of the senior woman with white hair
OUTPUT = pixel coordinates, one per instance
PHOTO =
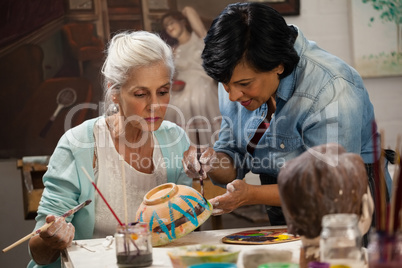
(132, 134)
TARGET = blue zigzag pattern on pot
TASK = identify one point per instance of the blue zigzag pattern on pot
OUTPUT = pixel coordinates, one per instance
(192, 217)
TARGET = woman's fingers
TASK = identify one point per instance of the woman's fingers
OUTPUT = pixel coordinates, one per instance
(194, 167)
(189, 169)
(191, 163)
(221, 204)
(235, 195)
(59, 235)
(208, 159)
(69, 236)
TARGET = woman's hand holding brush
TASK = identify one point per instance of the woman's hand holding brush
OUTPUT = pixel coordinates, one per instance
(55, 235)
(198, 161)
(59, 235)
(46, 247)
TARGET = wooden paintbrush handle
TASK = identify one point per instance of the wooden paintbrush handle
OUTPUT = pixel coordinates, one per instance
(25, 238)
(47, 225)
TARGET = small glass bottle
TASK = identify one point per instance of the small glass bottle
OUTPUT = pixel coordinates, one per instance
(133, 245)
(341, 240)
(316, 264)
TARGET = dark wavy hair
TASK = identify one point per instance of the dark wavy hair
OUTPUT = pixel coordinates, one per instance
(176, 15)
(253, 32)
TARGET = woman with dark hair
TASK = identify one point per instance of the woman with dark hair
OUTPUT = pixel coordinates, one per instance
(279, 96)
(194, 104)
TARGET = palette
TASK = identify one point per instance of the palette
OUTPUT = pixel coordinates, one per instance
(260, 237)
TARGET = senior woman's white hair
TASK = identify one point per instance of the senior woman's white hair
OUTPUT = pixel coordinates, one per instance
(131, 50)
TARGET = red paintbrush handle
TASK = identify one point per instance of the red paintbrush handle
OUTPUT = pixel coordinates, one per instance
(107, 204)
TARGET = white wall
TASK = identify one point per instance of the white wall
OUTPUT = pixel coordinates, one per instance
(328, 22)
(12, 223)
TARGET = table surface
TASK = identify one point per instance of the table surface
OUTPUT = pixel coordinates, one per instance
(95, 254)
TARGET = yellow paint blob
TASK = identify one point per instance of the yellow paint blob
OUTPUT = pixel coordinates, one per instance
(282, 237)
(134, 236)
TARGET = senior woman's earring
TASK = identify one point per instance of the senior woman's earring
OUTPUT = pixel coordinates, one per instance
(113, 108)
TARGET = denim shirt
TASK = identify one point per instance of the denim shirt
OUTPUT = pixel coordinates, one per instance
(322, 101)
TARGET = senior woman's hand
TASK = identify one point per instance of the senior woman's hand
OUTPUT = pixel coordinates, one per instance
(59, 235)
(236, 195)
(45, 248)
(192, 165)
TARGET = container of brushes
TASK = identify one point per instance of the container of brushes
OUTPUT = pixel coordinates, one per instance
(385, 250)
(133, 245)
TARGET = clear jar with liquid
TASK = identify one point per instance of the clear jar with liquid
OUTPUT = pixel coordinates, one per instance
(133, 245)
(341, 241)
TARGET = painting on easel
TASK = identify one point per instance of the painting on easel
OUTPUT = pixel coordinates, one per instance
(377, 37)
(207, 9)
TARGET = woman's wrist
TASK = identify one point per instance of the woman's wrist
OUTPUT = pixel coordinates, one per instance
(41, 253)
(222, 169)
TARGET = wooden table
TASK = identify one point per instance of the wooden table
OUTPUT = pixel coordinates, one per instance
(102, 257)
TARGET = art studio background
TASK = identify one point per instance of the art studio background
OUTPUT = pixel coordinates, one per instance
(331, 23)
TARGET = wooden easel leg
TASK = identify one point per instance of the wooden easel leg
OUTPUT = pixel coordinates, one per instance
(81, 66)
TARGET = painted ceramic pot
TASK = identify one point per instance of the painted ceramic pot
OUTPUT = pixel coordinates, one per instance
(183, 257)
(172, 211)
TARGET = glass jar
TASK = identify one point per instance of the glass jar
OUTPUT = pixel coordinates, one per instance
(133, 245)
(316, 264)
(279, 265)
(341, 241)
(385, 250)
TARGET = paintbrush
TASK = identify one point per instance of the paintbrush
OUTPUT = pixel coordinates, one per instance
(101, 195)
(377, 194)
(379, 181)
(396, 191)
(396, 207)
(47, 225)
(383, 186)
(201, 172)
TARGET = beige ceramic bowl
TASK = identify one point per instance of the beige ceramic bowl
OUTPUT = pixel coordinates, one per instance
(182, 257)
(172, 211)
